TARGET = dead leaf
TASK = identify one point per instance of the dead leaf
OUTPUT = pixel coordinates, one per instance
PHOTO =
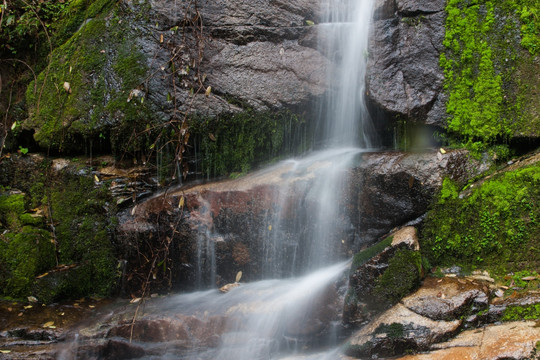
(442, 151)
(181, 202)
(208, 91)
(5, 351)
(238, 276)
(32, 299)
(135, 300)
(161, 38)
(212, 137)
(42, 275)
(48, 324)
(528, 278)
(67, 87)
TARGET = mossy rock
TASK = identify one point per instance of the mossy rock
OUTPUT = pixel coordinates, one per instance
(24, 255)
(380, 276)
(493, 224)
(490, 66)
(81, 241)
(83, 95)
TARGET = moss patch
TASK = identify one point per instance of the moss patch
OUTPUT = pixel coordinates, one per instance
(401, 278)
(495, 226)
(235, 143)
(485, 69)
(516, 313)
(80, 242)
(80, 97)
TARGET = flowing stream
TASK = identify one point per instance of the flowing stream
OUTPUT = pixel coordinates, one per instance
(298, 306)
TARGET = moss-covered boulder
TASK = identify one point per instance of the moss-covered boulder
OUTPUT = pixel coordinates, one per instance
(84, 95)
(56, 238)
(492, 223)
(383, 274)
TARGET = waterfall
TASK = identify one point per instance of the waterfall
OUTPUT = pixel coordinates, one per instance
(343, 38)
(303, 234)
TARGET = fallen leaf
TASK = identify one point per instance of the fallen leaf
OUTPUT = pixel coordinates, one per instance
(28, 307)
(161, 38)
(48, 324)
(309, 23)
(238, 276)
(91, 306)
(181, 202)
(32, 299)
(42, 275)
(67, 87)
(212, 137)
(208, 91)
(135, 300)
(528, 278)
(5, 351)
(269, 227)
(96, 179)
(442, 151)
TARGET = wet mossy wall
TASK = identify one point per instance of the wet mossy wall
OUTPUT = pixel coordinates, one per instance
(491, 66)
(84, 93)
(235, 143)
(492, 225)
(60, 228)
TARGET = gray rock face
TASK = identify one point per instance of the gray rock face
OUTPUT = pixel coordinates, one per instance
(398, 330)
(403, 77)
(253, 53)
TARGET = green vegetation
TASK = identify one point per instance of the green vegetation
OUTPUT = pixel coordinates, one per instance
(234, 143)
(393, 330)
(400, 279)
(365, 255)
(68, 103)
(495, 225)
(79, 241)
(515, 313)
(485, 71)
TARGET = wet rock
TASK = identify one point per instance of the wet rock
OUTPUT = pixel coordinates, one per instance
(399, 330)
(514, 340)
(447, 298)
(109, 349)
(403, 77)
(382, 275)
(393, 188)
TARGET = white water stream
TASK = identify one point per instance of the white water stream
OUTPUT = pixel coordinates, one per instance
(267, 319)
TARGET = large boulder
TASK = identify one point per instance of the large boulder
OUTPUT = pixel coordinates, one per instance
(403, 77)
(156, 60)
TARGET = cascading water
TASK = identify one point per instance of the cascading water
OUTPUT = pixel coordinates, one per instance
(271, 319)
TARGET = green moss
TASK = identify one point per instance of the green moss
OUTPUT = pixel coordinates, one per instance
(97, 98)
(234, 143)
(83, 236)
(24, 254)
(402, 276)
(81, 239)
(495, 225)
(11, 209)
(486, 93)
(393, 330)
(516, 313)
(365, 255)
